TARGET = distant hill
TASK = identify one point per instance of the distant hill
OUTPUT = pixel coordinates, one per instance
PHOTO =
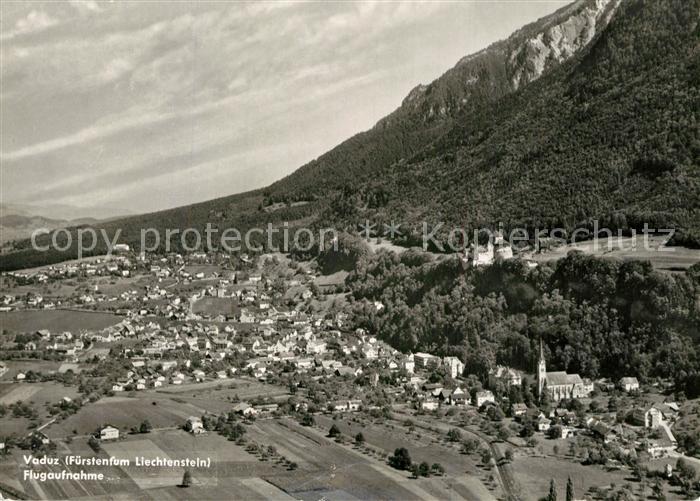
(17, 227)
(62, 211)
(589, 113)
(19, 221)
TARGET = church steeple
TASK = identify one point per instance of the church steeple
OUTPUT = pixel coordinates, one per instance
(541, 371)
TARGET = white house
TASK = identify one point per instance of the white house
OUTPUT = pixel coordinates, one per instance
(426, 360)
(194, 425)
(454, 366)
(109, 433)
(409, 364)
(654, 417)
(430, 404)
(346, 405)
(510, 376)
(483, 397)
(354, 405)
(629, 384)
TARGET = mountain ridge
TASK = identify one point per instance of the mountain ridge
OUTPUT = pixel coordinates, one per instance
(428, 111)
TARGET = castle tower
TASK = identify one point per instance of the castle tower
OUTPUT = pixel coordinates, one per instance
(541, 372)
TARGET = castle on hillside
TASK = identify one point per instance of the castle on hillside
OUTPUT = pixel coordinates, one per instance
(497, 250)
(560, 385)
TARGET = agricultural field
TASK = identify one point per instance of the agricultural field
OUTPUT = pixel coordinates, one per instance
(113, 286)
(67, 287)
(327, 469)
(124, 413)
(389, 435)
(219, 395)
(533, 473)
(379, 244)
(56, 320)
(207, 269)
(328, 302)
(661, 257)
(145, 478)
(14, 367)
(244, 388)
(328, 283)
(36, 393)
(234, 473)
(116, 483)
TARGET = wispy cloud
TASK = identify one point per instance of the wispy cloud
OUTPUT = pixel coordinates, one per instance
(85, 6)
(107, 97)
(35, 21)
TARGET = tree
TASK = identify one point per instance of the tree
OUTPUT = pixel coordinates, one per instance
(595, 406)
(470, 446)
(685, 470)
(334, 431)
(437, 469)
(454, 435)
(293, 466)
(308, 420)
(509, 455)
(186, 479)
(639, 470)
(686, 475)
(94, 444)
(495, 413)
(552, 496)
(359, 439)
(424, 469)
(486, 457)
(145, 427)
(528, 428)
(658, 490)
(554, 431)
(569, 490)
(401, 459)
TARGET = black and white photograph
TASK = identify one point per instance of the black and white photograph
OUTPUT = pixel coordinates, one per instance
(350, 250)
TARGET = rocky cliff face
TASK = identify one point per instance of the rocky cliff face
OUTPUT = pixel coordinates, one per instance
(558, 42)
(509, 64)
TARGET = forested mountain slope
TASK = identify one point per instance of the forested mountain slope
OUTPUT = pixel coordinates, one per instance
(612, 134)
(430, 110)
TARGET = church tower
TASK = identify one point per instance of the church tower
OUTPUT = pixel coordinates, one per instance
(541, 372)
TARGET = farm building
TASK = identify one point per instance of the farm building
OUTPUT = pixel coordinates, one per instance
(194, 425)
(109, 433)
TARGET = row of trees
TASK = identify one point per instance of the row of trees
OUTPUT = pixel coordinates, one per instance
(401, 460)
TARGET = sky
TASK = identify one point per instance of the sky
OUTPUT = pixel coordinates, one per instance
(142, 106)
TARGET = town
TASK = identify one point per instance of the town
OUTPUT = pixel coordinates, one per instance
(255, 362)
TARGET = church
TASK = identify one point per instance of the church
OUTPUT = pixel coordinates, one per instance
(560, 385)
